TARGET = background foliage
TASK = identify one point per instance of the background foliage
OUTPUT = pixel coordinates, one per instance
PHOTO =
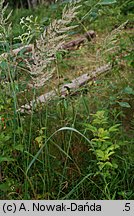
(81, 146)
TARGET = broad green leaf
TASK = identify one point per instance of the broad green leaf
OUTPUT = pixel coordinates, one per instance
(4, 187)
(4, 138)
(114, 128)
(90, 127)
(110, 148)
(19, 147)
(124, 104)
(108, 164)
(99, 118)
(100, 153)
(104, 134)
(103, 164)
(115, 166)
(93, 15)
(38, 139)
(4, 65)
(129, 90)
(116, 146)
(107, 2)
(41, 131)
(111, 153)
(7, 159)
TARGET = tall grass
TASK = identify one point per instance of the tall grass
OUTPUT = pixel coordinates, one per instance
(47, 154)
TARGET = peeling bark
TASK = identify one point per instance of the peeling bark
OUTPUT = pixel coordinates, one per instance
(70, 88)
(15, 52)
(77, 42)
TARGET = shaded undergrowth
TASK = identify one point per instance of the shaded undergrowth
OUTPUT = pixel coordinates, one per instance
(50, 154)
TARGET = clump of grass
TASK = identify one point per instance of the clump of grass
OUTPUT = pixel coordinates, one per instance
(49, 154)
(51, 41)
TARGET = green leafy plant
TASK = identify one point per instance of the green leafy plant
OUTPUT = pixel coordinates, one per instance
(32, 29)
(104, 146)
(96, 8)
(35, 161)
(40, 139)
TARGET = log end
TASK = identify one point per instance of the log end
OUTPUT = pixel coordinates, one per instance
(90, 34)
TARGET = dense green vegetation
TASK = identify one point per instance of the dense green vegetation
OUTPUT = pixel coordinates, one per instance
(76, 147)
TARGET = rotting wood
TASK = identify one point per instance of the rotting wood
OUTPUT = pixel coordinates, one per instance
(15, 52)
(77, 42)
(63, 91)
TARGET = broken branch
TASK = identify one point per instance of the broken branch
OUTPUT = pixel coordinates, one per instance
(63, 91)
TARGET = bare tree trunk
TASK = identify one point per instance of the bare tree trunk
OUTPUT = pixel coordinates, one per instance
(21, 3)
(34, 3)
(29, 4)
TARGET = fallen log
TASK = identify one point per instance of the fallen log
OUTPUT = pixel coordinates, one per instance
(77, 42)
(15, 52)
(70, 88)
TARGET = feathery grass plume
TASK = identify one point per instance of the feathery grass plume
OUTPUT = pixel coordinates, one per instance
(5, 27)
(51, 40)
(111, 41)
(5, 30)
